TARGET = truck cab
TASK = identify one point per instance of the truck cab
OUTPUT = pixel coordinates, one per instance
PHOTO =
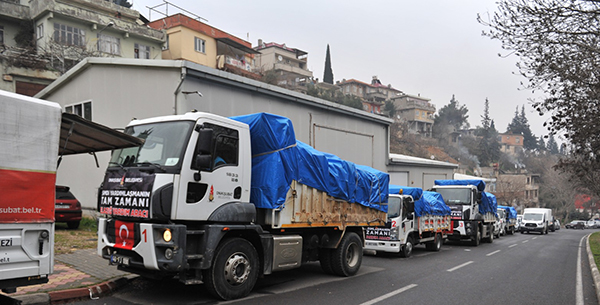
(414, 217)
(473, 210)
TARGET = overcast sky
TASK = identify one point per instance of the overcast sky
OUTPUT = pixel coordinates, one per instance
(430, 48)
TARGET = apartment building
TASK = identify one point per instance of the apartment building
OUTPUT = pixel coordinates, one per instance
(520, 189)
(42, 39)
(510, 143)
(195, 41)
(290, 65)
(417, 111)
(373, 95)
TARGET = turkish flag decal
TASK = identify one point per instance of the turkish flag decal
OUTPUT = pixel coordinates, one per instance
(124, 235)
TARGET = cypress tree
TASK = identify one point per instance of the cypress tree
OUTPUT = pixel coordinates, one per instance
(328, 74)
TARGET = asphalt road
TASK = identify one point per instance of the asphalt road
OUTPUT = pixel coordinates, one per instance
(517, 269)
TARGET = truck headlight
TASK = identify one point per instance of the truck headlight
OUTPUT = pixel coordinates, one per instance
(167, 236)
(394, 233)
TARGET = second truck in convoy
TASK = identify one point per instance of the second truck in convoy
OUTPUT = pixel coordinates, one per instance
(414, 217)
(222, 201)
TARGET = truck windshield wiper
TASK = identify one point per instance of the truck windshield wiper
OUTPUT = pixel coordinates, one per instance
(156, 165)
(116, 163)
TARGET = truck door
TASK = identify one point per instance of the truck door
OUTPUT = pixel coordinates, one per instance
(205, 187)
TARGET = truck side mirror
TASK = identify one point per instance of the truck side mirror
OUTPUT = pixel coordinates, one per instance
(204, 145)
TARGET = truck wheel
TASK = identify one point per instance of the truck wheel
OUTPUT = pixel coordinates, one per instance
(408, 247)
(325, 260)
(435, 245)
(346, 259)
(475, 242)
(490, 239)
(234, 270)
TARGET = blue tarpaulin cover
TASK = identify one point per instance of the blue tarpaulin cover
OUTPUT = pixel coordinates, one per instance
(511, 211)
(479, 184)
(278, 158)
(431, 203)
(414, 192)
(488, 204)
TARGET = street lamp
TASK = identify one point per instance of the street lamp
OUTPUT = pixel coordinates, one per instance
(110, 24)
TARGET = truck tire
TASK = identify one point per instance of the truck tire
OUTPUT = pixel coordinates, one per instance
(234, 270)
(325, 257)
(477, 238)
(73, 224)
(346, 259)
(407, 248)
(435, 245)
(490, 238)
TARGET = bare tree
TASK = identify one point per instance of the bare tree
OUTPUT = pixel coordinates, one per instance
(558, 44)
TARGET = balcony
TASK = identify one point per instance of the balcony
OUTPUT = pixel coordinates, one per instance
(420, 105)
(236, 66)
(292, 69)
(12, 9)
(96, 14)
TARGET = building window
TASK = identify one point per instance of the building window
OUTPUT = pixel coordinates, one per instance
(83, 110)
(109, 44)
(40, 31)
(199, 45)
(517, 140)
(141, 51)
(1, 34)
(68, 35)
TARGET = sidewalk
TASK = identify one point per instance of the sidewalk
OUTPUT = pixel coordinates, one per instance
(78, 275)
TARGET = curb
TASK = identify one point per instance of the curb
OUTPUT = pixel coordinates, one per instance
(593, 267)
(64, 296)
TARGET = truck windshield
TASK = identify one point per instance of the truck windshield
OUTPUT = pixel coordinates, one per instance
(456, 196)
(533, 217)
(394, 204)
(164, 145)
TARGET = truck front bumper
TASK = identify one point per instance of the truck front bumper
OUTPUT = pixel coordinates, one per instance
(144, 248)
(462, 229)
(392, 246)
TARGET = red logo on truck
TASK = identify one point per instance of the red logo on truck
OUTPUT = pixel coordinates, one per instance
(124, 235)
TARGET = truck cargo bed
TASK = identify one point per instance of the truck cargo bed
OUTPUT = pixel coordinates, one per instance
(308, 207)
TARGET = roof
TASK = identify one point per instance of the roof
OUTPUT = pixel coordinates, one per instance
(396, 159)
(281, 46)
(200, 27)
(78, 135)
(376, 85)
(197, 70)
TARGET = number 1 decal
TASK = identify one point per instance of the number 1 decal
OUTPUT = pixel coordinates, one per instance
(145, 237)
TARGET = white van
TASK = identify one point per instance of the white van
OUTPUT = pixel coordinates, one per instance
(537, 220)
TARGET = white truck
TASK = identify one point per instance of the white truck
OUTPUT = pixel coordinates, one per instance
(537, 220)
(222, 201)
(33, 133)
(473, 210)
(414, 217)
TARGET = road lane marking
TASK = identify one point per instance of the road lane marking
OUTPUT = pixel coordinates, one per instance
(389, 295)
(579, 280)
(534, 237)
(513, 245)
(525, 241)
(490, 254)
(459, 266)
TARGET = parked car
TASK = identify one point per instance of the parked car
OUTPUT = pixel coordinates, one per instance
(576, 224)
(67, 208)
